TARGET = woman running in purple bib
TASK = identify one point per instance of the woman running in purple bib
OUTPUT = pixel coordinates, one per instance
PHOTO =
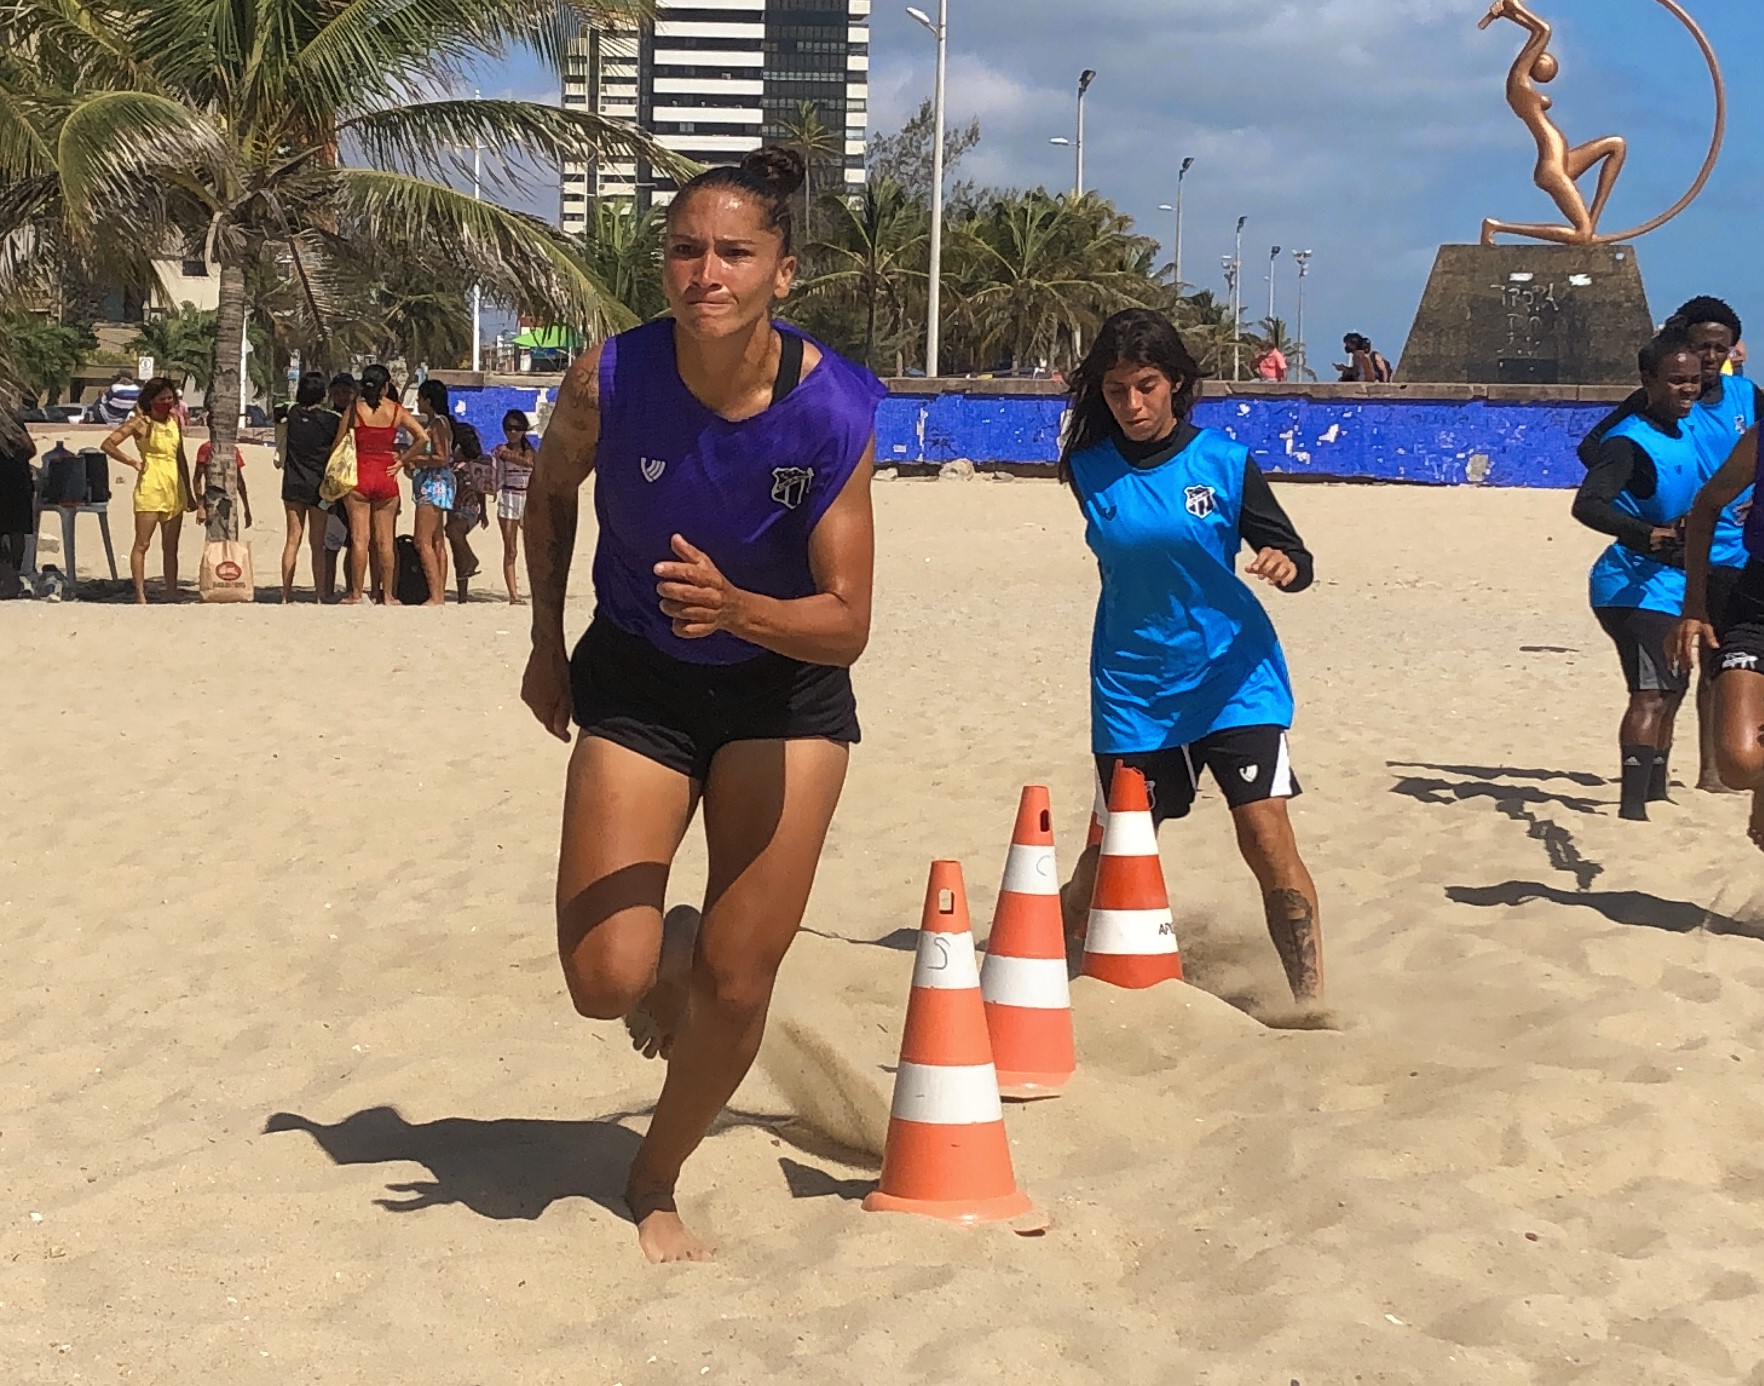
(732, 579)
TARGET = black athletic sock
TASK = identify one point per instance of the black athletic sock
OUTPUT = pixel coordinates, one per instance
(1660, 785)
(1638, 774)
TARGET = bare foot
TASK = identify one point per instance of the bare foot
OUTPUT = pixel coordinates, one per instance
(390, 601)
(517, 601)
(1712, 785)
(436, 601)
(287, 599)
(656, 1020)
(354, 600)
(664, 1238)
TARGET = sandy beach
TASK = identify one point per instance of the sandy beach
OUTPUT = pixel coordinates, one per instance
(293, 1093)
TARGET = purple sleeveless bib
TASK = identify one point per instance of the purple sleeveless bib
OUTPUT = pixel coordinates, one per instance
(748, 494)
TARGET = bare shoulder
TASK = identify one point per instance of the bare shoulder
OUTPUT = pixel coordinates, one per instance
(581, 385)
(812, 356)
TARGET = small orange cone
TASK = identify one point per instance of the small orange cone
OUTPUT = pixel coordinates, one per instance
(1132, 939)
(1028, 1000)
(947, 1155)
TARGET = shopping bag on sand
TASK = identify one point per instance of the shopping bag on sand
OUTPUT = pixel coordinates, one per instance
(339, 470)
(226, 572)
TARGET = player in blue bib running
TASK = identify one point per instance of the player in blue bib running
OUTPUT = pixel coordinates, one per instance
(1648, 471)
(1186, 671)
(1726, 408)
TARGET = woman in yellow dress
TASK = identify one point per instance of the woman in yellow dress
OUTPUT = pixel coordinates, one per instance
(162, 490)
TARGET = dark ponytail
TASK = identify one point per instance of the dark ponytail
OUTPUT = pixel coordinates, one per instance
(1137, 337)
(375, 381)
(769, 178)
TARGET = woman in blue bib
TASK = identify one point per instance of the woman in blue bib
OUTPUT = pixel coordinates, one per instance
(1186, 671)
(1728, 406)
(1647, 473)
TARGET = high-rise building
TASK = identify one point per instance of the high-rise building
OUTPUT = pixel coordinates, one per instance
(715, 79)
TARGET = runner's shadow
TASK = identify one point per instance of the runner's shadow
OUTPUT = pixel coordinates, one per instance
(805, 1181)
(900, 941)
(1502, 772)
(503, 1169)
(1429, 791)
(1631, 908)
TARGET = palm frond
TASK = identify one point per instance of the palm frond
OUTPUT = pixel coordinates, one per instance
(409, 136)
(520, 260)
(115, 148)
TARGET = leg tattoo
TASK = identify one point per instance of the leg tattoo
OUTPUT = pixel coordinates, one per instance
(1292, 923)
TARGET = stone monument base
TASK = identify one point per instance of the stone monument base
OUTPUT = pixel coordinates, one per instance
(1529, 314)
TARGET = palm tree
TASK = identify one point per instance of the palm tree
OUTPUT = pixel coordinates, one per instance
(38, 356)
(247, 128)
(811, 137)
(182, 345)
(873, 260)
(1037, 273)
(623, 250)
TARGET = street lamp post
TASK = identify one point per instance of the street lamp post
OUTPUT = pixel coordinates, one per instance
(1273, 265)
(1237, 304)
(1085, 78)
(939, 28)
(1304, 269)
(477, 289)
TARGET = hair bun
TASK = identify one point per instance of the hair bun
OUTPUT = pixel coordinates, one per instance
(782, 170)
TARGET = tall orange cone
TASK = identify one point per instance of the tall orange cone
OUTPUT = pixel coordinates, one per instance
(947, 1155)
(1028, 1001)
(1132, 938)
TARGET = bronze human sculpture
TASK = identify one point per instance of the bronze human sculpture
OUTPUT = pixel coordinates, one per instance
(1560, 166)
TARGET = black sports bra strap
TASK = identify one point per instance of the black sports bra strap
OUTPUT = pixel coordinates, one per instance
(789, 365)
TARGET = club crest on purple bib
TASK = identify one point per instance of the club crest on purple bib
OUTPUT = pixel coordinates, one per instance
(790, 485)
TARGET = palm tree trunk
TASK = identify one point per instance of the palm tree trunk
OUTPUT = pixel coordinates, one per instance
(870, 329)
(225, 404)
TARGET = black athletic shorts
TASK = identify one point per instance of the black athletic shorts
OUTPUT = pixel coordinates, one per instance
(1644, 641)
(680, 715)
(1250, 765)
(1740, 627)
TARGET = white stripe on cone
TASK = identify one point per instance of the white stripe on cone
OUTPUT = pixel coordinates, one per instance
(1130, 835)
(946, 962)
(1036, 984)
(1131, 933)
(1031, 871)
(953, 1095)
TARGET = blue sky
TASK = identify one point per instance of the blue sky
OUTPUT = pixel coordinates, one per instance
(1369, 131)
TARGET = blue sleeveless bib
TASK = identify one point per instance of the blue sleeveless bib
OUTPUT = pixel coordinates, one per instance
(1182, 647)
(1624, 578)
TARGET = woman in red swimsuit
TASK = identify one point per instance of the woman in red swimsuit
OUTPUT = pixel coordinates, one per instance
(373, 504)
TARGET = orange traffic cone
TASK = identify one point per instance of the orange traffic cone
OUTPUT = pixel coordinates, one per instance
(947, 1156)
(1028, 1001)
(1132, 938)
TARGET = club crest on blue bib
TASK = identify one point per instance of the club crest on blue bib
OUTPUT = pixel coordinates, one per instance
(790, 485)
(1201, 501)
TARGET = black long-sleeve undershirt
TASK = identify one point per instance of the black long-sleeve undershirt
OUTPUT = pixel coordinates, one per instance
(1620, 465)
(1262, 523)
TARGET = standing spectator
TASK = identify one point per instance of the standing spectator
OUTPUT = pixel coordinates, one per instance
(376, 417)
(162, 490)
(515, 456)
(204, 455)
(432, 486)
(18, 495)
(1272, 365)
(474, 496)
(1366, 365)
(306, 448)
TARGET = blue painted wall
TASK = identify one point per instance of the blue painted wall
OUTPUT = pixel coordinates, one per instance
(1437, 442)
